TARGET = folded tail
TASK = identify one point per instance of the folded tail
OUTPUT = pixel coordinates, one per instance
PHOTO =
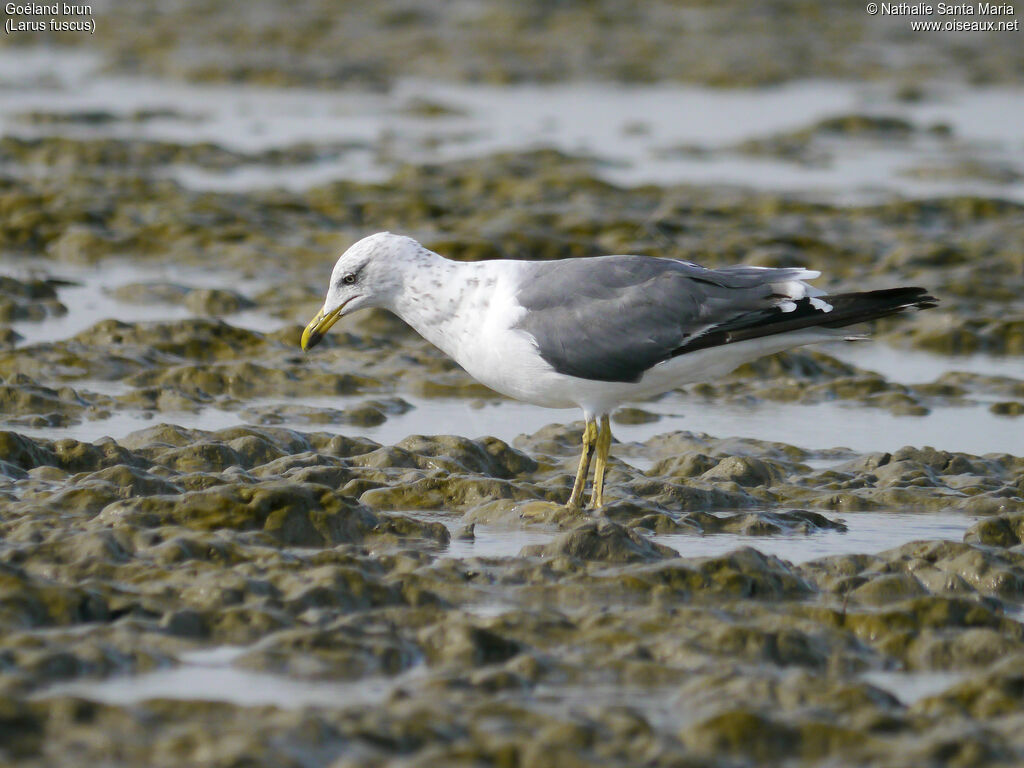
(834, 311)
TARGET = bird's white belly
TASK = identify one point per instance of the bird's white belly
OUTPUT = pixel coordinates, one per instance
(702, 365)
(554, 390)
(529, 379)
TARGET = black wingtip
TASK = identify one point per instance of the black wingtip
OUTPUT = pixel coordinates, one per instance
(847, 309)
(919, 296)
(871, 305)
(906, 298)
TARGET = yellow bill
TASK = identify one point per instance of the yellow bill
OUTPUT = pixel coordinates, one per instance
(318, 326)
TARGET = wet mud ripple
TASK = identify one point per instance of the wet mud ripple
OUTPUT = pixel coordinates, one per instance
(324, 558)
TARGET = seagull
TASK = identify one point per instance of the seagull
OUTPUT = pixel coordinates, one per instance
(598, 331)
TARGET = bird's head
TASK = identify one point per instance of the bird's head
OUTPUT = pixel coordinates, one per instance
(365, 276)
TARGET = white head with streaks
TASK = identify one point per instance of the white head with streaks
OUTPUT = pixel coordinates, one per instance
(369, 274)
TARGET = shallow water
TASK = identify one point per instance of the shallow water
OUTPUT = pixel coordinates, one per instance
(813, 427)
(635, 131)
(208, 675)
(911, 687)
(867, 533)
(912, 366)
(88, 298)
(495, 541)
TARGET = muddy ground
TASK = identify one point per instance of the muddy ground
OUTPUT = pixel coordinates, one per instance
(218, 550)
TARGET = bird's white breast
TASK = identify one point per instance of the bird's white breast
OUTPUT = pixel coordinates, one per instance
(469, 311)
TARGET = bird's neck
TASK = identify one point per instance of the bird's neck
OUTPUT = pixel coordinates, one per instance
(440, 299)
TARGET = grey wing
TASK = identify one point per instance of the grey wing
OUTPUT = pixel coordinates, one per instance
(611, 318)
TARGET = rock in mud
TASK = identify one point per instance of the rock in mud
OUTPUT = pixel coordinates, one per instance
(604, 542)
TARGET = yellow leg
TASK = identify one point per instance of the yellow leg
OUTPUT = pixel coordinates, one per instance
(604, 445)
(589, 439)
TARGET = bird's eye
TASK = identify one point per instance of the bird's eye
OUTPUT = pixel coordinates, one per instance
(348, 279)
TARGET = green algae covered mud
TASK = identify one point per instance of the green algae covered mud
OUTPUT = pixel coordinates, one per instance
(320, 43)
(216, 550)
